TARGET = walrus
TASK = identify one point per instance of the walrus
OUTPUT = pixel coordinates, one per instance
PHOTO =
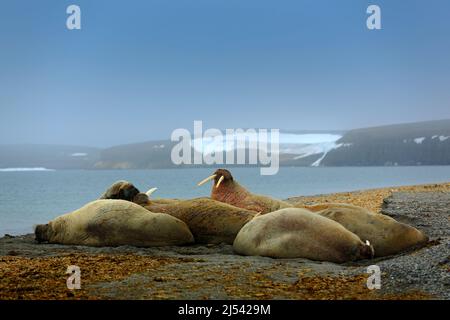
(387, 235)
(115, 223)
(226, 189)
(210, 221)
(122, 190)
(299, 233)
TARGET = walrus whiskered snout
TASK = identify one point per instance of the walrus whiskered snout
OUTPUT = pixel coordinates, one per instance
(219, 176)
(368, 252)
(141, 199)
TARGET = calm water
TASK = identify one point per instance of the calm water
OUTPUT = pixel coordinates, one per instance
(29, 198)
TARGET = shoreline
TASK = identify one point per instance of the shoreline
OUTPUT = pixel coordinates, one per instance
(371, 199)
(37, 271)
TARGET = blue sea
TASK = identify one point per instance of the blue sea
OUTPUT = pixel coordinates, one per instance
(33, 197)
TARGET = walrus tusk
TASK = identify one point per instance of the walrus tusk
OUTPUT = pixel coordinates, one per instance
(220, 181)
(206, 180)
(372, 250)
(149, 192)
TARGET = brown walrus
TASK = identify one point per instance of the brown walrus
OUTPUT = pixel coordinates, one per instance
(226, 189)
(210, 221)
(120, 190)
(387, 235)
(124, 190)
(299, 233)
(115, 223)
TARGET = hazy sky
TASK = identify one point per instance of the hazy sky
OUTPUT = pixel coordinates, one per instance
(137, 70)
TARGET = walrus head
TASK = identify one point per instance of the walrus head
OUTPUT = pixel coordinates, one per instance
(141, 199)
(226, 189)
(220, 176)
(122, 190)
(42, 233)
(367, 252)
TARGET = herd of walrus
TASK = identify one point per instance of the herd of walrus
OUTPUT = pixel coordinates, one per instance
(255, 225)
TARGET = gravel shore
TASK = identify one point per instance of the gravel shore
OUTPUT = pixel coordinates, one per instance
(37, 271)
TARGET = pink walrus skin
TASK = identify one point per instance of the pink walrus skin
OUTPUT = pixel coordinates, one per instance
(226, 189)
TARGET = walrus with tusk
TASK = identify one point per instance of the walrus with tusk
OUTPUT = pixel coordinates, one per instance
(299, 233)
(210, 221)
(226, 189)
(124, 190)
(114, 223)
(387, 235)
(121, 190)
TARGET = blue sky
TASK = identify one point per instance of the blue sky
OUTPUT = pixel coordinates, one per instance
(137, 70)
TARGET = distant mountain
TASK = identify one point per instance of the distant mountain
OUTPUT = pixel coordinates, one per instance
(145, 155)
(422, 143)
(297, 148)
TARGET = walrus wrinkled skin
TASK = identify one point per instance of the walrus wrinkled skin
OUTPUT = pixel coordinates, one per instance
(210, 221)
(115, 223)
(299, 233)
(226, 189)
(121, 190)
(387, 235)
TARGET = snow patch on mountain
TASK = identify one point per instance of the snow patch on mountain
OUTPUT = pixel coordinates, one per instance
(325, 152)
(419, 140)
(422, 139)
(441, 138)
(301, 144)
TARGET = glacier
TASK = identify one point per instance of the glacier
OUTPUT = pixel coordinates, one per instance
(300, 145)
